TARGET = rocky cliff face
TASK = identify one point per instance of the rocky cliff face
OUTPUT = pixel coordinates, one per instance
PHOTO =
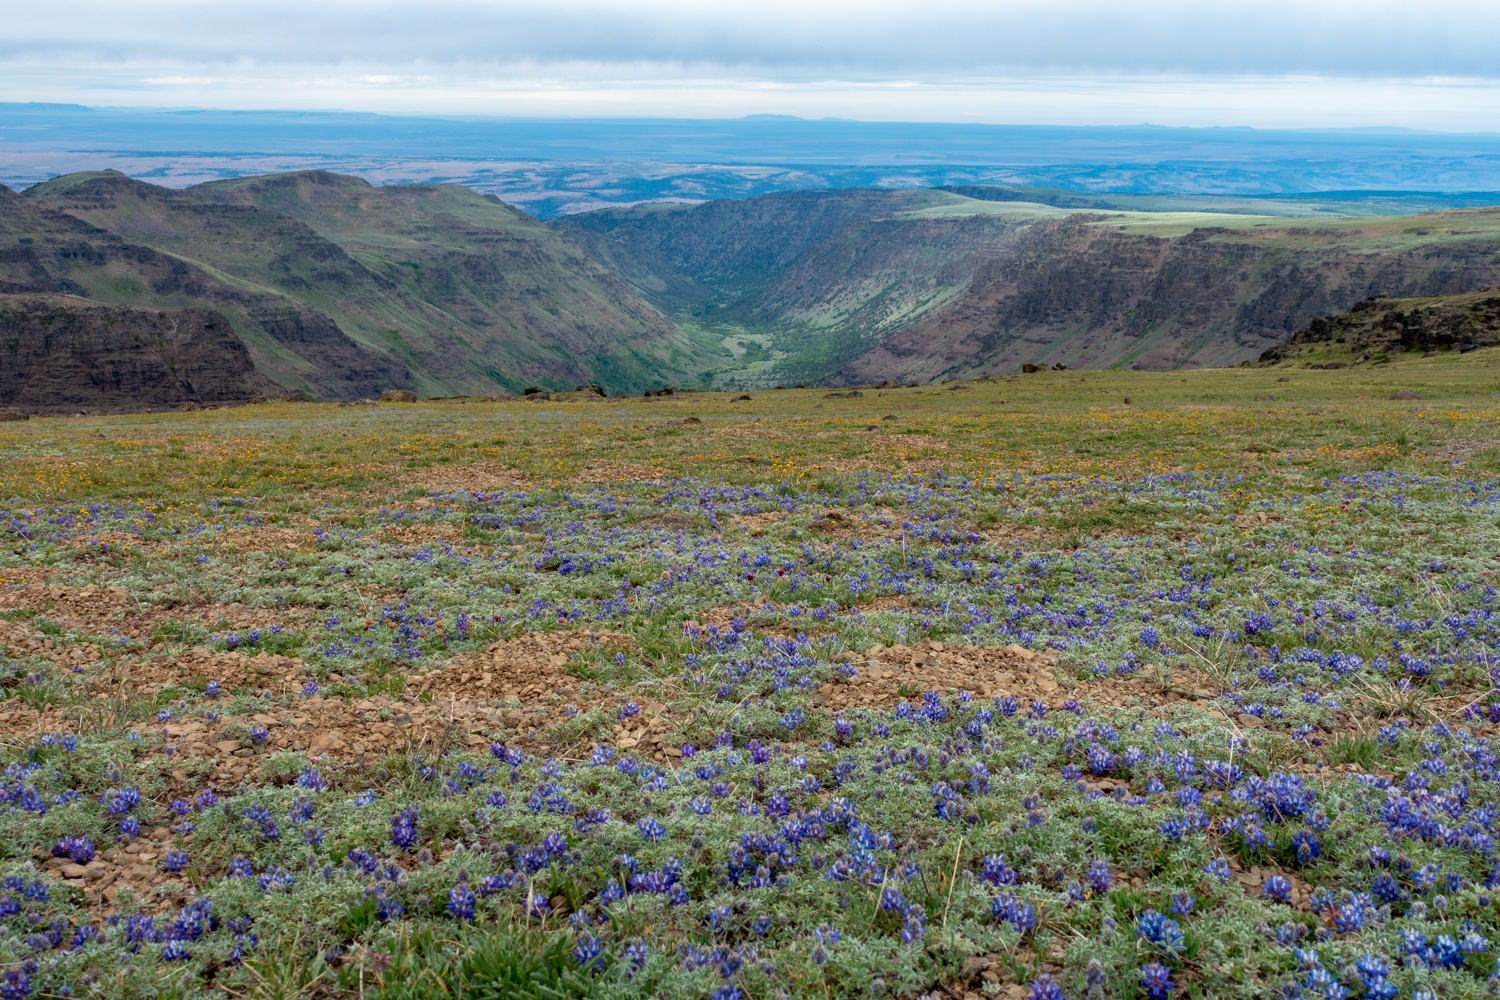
(62, 355)
(1086, 295)
(43, 250)
(861, 286)
(1380, 327)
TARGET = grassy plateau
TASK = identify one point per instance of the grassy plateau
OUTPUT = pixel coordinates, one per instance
(1074, 684)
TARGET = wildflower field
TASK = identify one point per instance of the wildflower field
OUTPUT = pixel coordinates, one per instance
(1007, 688)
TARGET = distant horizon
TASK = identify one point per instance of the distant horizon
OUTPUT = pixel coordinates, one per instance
(749, 116)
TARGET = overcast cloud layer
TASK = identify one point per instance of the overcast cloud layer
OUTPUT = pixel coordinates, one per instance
(1271, 63)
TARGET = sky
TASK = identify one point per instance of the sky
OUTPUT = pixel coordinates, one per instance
(1274, 63)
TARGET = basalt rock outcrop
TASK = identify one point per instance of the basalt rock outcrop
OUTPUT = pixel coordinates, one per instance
(62, 355)
(1379, 327)
(1091, 297)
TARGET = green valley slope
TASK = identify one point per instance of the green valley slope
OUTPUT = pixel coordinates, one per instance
(857, 287)
(339, 290)
(437, 288)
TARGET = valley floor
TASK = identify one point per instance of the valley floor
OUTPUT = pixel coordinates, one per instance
(1079, 684)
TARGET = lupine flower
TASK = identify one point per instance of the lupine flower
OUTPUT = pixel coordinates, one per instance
(1043, 988)
(588, 952)
(404, 828)
(1160, 932)
(1156, 981)
(80, 849)
(1277, 888)
(460, 904)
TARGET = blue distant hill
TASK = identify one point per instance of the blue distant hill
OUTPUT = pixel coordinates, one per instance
(558, 166)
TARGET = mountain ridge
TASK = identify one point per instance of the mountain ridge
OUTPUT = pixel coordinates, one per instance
(936, 284)
(430, 287)
(340, 289)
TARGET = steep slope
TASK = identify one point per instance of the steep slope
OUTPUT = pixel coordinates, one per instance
(523, 303)
(724, 250)
(1088, 293)
(300, 349)
(817, 276)
(1376, 329)
(862, 286)
(61, 355)
(460, 291)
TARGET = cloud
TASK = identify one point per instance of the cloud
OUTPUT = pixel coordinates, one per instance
(941, 39)
(1274, 62)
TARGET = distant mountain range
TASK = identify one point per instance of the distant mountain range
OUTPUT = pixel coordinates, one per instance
(562, 166)
(323, 285)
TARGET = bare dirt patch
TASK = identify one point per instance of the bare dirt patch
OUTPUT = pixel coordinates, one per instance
(886, 676)
(888, 602)
(114, 611)
(469, 478)
(530, 666)
(26, 576)
(755, 524)
(854, 524)
(222, 755)
(233, 671)
(22, 724)
(1460, 450)
(422, 534)
(272, 538)
(910, 443)
(608, 471)
(134, 866)
(672, 521)
(528, 687)
(102, 542)
(74, 601)
(23, 639)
